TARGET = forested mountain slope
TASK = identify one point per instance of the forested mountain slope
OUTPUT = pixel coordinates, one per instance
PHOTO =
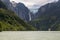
(9, 21)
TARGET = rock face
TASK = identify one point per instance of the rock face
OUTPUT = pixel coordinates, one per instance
(50, 7)
(48, 17)
(2, 5)
(23, 11)
(9, 21)
(19, 8)
(7, 2)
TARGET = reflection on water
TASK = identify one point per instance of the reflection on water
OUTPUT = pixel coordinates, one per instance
(30, 35)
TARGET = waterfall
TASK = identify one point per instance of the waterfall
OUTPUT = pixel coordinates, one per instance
(29, 16)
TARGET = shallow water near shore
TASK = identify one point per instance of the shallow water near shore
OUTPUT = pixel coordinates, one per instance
(30, 35)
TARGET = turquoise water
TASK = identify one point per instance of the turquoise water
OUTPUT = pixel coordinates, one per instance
(30, 35)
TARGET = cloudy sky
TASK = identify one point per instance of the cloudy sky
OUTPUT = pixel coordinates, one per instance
(34, 3)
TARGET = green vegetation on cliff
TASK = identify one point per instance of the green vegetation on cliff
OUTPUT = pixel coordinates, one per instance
(9, 21)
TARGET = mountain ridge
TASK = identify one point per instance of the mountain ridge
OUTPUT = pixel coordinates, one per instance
(20, 9)
(9, 21)
(48, 17)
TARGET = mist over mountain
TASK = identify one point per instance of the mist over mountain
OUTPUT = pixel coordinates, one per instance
(33, 5)
(21, 10)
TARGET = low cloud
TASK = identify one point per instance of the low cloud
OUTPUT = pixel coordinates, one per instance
(33, 2)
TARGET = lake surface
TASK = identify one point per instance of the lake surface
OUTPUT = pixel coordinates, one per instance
(30, 35)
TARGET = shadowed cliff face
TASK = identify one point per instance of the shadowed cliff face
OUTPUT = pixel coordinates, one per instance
(20, 9)
(2, 5)
(23, 11)
(9, 21)
(7, 3)
(48, 17)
